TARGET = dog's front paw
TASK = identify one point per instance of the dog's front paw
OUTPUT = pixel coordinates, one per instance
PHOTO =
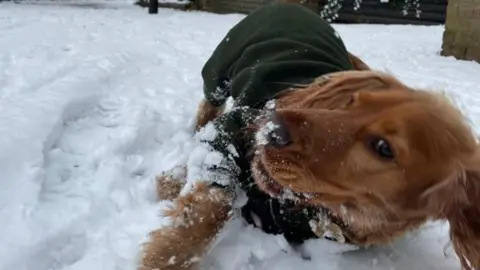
(197, 218)
(203, 203)
(171, 182)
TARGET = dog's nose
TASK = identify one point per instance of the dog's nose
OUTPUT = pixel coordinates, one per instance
(278, 134)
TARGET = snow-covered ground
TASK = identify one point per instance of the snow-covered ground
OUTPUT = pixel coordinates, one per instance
(95, 101)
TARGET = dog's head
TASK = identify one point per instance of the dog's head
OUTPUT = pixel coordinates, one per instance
(363, 140)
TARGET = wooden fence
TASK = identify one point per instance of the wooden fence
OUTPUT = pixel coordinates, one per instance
(233, 6)
(371, 11)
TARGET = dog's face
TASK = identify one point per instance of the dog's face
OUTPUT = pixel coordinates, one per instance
(361, 140)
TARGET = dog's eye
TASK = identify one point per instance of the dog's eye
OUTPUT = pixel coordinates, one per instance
(382, 148)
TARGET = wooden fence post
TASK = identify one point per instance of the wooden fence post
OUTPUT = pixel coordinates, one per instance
(461, 38)
(153, 7)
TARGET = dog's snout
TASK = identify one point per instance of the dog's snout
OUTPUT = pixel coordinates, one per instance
(278, 134)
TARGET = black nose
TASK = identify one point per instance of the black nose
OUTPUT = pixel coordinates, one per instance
(278, 134)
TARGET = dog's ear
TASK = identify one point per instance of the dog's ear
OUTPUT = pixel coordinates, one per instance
(357, 80)
(464, 217)
(336, 89)
(457, 199)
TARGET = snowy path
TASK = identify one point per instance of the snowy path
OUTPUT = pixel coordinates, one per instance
(93, 105)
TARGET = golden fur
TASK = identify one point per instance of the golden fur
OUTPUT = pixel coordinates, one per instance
(434, 174)
(206, 112)
(197, 218)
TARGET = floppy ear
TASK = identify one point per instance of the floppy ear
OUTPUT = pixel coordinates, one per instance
(334, 90)
(464, 218)
(457, 199)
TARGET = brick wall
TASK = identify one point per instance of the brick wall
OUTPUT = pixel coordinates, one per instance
(461, 37)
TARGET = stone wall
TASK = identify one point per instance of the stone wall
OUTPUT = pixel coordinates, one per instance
(461, 37)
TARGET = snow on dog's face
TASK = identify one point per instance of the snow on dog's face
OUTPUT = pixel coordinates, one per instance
(359, 137)
(363, 142)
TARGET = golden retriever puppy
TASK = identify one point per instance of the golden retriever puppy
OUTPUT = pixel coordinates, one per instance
(381, 157)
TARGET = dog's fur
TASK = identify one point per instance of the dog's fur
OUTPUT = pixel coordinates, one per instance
(434, 174)
(197, 218)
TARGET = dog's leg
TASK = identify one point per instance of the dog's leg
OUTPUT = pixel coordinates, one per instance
(170, 183)
(197, 218)
(206, 112)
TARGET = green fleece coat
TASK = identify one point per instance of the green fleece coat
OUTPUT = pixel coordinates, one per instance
(275, 47)
(270, 50)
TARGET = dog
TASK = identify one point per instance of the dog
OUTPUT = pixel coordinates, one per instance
(367, 156)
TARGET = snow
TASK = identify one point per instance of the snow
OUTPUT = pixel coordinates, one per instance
(268, 130)
(94, 103)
